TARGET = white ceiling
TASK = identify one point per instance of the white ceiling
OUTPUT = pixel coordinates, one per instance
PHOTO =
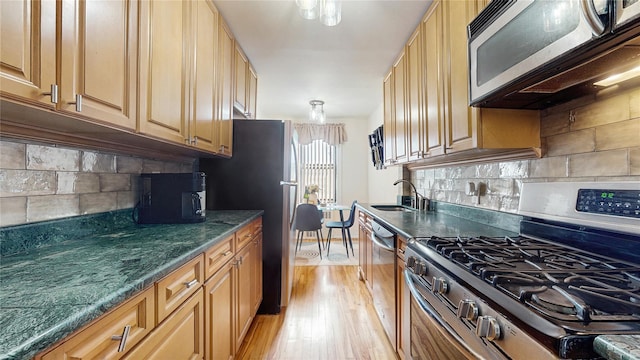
(298, 60)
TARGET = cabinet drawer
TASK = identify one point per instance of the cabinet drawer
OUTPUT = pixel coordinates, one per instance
(176, 287)
(247, 233)
(217, 256)
(96, 342)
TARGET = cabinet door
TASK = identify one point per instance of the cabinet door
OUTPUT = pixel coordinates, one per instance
(98, 60)
(461, 119)
(96, 342)
(243, 291)
(219, 311)
(240, 79)
(224, 123)
(179, 337)
(28, 50)
(256, 273)
(172, 290)
(252, 91)
(399, 107)
(389, 129)
(415, 112)
(401, 336)
(362, 248)
(432, 51)
(164, 49)
(203, 113)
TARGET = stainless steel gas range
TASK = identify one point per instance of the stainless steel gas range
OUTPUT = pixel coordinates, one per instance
(572, 273)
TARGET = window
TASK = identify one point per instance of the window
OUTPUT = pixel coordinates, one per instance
(317, 166)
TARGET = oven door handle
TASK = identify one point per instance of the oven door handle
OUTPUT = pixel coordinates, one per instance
(380, 243)
(424, 304)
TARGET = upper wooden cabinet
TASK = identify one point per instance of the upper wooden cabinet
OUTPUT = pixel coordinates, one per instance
(226, 59)
(164, 61)
(240, 79)
(97, 49)
(203, 134)
(389, 132)
(28, 51)
(124, 75)
(440, 126)
(252, 94)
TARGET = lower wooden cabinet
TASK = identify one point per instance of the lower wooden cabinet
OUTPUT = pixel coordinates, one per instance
(183, 316)
(180, 336)
(219, 314)
(402, 334)
(131, 321)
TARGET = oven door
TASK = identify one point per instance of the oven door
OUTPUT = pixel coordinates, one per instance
(436, 334)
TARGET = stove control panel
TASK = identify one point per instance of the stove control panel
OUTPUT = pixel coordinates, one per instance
(624, 203)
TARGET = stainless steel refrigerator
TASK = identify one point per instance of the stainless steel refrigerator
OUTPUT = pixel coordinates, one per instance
(261, 175)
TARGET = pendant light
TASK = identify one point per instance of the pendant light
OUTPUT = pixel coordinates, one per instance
(329, 11)
(316, 114)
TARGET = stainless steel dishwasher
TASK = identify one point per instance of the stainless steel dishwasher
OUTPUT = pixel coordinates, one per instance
(384, 276)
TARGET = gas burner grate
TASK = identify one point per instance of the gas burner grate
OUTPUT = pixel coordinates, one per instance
(556, 280)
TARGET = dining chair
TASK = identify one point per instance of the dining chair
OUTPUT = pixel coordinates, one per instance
(308, 218)
(344, 227)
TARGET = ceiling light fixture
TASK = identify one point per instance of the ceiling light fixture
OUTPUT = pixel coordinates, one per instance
(317, 111)
(329, 11)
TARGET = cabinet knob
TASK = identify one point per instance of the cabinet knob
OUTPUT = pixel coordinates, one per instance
(78, 103)
(122, 338)
(53, 93)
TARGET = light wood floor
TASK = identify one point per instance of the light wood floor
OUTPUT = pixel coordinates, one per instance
(330, 316)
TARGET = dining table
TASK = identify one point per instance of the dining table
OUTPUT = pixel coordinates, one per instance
(336, 207)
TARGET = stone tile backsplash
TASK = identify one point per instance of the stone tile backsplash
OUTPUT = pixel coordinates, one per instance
(585, 140)
(43, 182)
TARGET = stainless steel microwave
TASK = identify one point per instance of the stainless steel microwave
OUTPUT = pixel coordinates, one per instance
(533, 54)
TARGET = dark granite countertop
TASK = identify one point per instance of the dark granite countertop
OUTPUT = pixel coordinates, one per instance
(618, 347)
(51, 288)
(447, 220)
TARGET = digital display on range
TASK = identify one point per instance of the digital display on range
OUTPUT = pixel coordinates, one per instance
(609, 202)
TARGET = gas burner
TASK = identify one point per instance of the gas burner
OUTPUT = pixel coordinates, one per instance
(554, 301)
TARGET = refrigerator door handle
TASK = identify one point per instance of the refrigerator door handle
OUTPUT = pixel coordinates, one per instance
(288, 183)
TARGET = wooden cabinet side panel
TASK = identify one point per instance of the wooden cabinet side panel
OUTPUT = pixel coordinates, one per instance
(240, 79)
(256, 273)
(181, 336)
(243, 295)
(252, 93)
(28, 50)
(163, 68)
(510, 129)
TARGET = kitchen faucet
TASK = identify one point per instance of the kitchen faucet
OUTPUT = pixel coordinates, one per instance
(421, 202)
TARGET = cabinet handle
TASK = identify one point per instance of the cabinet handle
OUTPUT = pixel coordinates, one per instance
(227, 253)
(191, 283)
(53, 93)
(122, 338)
(194, 140)
(78, 103)
(401, 251)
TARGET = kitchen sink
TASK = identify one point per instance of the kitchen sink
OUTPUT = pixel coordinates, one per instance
(393, 208)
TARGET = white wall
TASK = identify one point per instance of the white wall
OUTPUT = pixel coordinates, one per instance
(352, 180)
(380, 182)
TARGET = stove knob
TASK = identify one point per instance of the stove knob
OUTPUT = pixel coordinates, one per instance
(488, 328)
(467, 309)
(420, 268)
(439, 285)
(411, 261)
